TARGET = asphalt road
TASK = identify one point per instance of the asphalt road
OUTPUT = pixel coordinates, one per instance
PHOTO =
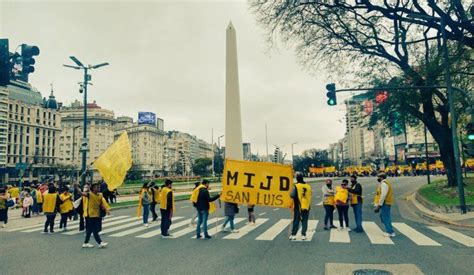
(139, 252)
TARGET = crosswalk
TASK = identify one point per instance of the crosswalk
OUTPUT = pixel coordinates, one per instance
(267, 229)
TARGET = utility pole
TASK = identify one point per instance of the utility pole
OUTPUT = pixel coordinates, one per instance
(266, 140)
(213, 153)
(427, 157)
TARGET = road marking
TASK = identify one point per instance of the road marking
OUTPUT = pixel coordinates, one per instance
(245, 230)
(218, 228)
(186, 206)
(273, 231)
(38, 225)
(414, 235)
(261, 214)
(140, 228)
(312, 224)
(276, 209)
(104, 225)
(453, 235)
(189, 229)
(113, 229)
(56, 225)
(339, 236)
(375, 234)
(320, 203)
(158, 231)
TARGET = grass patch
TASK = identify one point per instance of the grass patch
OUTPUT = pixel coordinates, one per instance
(438, 193)
(135, 202)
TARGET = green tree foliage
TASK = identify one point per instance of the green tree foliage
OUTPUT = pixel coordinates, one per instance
(312, 157)
(202, 167)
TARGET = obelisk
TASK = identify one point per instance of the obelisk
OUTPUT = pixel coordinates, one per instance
(233, 121)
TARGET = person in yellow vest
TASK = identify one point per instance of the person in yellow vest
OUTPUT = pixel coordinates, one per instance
(50, 208)
(144, 204)
(155, 199)
(301, 195)
(93, 203)
(356, 203)
(383, 202)
(39, 200)
(14, 193)
(4, 197)
(342, 198)
(166, 208)
(65, 208)
(203, 205)
(328, 203)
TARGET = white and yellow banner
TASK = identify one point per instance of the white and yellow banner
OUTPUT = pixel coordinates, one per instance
(257, 183)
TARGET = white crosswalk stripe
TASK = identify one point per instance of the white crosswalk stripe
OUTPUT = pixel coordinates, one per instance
(339, 236)
(245, 230)
(105, 224)
(218, 228)
(189, 229)
(274, 231)
(453, 235)
(312, 224)
(375, 234)
(414, 235)
(139, 229)
(120, 227)
(74, 225)
(158, 231)
(38, 225)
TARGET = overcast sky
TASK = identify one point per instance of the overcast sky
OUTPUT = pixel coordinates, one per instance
(169, 58)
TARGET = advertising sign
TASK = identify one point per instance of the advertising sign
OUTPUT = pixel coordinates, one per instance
(146, 118)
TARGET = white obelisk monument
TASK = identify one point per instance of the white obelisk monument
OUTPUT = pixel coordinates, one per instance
(233, 121)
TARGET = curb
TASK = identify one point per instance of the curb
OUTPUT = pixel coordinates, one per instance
(412, 198)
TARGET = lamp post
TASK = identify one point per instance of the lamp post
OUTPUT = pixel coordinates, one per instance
(74, 145)
(293, 155)
(87, 78)
(219, 144)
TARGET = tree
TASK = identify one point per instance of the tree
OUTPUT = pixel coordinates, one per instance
(218, 163)
(383, 45)
(202, 167)
(134, 173)
(312, 157)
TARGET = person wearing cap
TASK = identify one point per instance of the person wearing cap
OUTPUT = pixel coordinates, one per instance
(329, 204)
(383, 202)
(356, 202)
(203, 206)
(166, 208)
(301, 195)
(93, 204)
(342, 198)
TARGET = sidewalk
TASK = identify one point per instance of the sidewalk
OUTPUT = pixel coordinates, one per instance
(455, 219)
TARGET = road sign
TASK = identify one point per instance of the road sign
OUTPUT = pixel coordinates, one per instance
(21, 166)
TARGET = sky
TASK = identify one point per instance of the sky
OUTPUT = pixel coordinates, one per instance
(168, 57)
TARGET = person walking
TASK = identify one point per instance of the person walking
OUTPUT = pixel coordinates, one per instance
(39, 200)
(144, 204)
(166, 208)
(301, 195)
(4, 197)
(155, 199)
(93, 204)
(342, 198)
(251, 214)
(356, 202)
(203, 205)
(383, 202)
(50, 208)
(328, 203)
(194, 195)
(65, 207)
(230, 210)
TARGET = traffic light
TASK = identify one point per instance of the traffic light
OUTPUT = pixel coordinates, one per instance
(331, 94)
(470, 131)
(381, 96)
(27, 53)
(4, 63)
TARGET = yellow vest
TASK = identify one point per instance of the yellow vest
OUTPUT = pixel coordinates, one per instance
(49, 204)
(304, 195)
(92, 205)
(39, 196)
(341, 195)
(156, 194)
(14, 192)
(388, 198)
(66, 205)
(164, 198)
(195, 195)
(329, 200)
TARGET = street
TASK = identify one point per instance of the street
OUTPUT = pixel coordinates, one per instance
(260, 249)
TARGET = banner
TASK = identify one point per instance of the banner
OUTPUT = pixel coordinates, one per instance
(316, 170)
(257, 183)
(114, 163)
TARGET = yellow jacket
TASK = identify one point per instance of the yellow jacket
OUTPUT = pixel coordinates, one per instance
(92, 205)
(50, 202)
(304, 195)
(39, 196)
(164, 198)
(14, 192)
(66, 205)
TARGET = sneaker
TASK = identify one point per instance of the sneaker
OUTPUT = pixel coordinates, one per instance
(234, 231)
(348, 229)
(340, 228)
(392, 235)
(165, 236)
(198, 236)
(51, 232)
(333, 227)
(292, 237)
(358, 230)
(44, 232)
(303, 238)
(389, 235)
(103, 245)
(87, 245)
(4, 225)
(208, 237)
(326, 228)
(146, 224)
(223, 229)
(64, 229)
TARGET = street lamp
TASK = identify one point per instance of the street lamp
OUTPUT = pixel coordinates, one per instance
(74, 146)
(87, 78)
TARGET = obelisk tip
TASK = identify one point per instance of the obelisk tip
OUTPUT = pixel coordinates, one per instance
(230, 26)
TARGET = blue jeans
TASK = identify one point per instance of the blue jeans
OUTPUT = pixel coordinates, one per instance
(202, 220)
(386, 219)
(358, 215)
(230, 220)
(146, 212)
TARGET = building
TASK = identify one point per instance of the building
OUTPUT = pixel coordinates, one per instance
(247, 151)
(33, 129)
(147, 142)
(100, 134)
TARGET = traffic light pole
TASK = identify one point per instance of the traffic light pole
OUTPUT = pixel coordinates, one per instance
(84, 150)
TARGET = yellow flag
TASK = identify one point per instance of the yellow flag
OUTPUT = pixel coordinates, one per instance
(114, 163)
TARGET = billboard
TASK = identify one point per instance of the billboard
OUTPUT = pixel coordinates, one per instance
(146, 118)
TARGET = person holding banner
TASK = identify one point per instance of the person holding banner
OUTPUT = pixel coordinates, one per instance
(166, 208)
(203, 206)
(342, 198)
(356, 203)
(301, 195)
(328, 203)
